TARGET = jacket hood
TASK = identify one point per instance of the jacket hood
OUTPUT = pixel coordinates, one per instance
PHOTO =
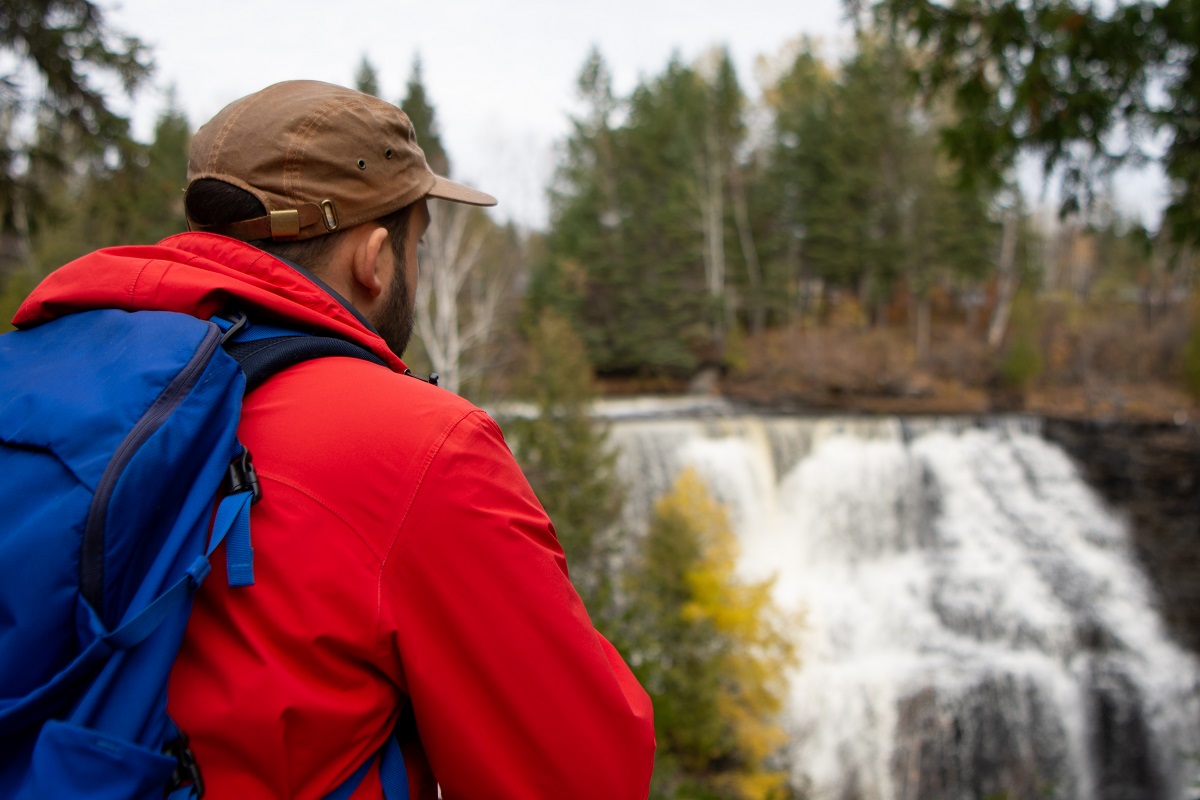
(201, 274)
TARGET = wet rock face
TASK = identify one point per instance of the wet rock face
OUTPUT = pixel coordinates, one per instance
(997, 738)
(1151, 473)
(1121, 741)
(990, 740)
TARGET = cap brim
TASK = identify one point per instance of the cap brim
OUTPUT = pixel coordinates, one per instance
(446, 189)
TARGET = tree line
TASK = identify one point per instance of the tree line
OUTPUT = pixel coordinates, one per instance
(678, 226)
(688, 216)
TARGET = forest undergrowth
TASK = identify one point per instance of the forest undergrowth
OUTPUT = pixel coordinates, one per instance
(1099, 364)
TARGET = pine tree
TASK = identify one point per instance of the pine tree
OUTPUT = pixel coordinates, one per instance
(366, 79)
(585, 191)
(134, 197)
(796, 203)
(637, 247)
(424, 120)
(656, 303)
(565, 455)
(855, 194)
(59, 48)
(712, 651)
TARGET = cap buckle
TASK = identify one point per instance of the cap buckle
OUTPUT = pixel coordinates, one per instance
(285, 224)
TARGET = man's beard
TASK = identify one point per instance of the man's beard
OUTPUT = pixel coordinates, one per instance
(396, 318)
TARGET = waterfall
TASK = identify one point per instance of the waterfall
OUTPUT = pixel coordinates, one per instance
(975, 623)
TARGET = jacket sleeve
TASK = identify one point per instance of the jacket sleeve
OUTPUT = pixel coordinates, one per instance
(514, 692)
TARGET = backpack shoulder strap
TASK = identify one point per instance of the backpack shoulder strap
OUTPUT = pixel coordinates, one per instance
(262, 354)
(392, 774)
(261, 350)
(262, 358)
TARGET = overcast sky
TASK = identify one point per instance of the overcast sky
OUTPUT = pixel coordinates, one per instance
(500, 73)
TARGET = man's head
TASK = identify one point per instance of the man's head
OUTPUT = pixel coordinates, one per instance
(323, 176)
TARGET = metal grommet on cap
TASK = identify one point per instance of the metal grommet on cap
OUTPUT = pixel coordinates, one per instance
(330, 212)
(362, 164)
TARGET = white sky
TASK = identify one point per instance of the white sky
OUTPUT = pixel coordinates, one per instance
(500, 73)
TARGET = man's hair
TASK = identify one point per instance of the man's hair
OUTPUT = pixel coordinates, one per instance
(214, 202)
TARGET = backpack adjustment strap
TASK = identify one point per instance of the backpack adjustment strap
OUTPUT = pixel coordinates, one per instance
(243, 478)
(232, 521)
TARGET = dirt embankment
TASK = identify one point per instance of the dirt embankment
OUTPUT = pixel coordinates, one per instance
(1110, 370)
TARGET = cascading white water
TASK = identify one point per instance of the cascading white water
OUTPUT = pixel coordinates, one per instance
(975, 623)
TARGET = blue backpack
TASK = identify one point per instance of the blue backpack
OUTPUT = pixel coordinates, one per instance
(117, 432)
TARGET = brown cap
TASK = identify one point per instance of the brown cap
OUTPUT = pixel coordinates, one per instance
(319, 157)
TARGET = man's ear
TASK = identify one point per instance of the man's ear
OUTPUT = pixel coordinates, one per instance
(364, 265)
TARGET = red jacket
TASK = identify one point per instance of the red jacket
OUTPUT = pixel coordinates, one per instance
(404, 571)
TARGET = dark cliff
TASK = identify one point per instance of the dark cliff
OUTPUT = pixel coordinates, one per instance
(1150, 472)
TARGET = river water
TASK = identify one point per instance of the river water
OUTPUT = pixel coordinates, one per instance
(974, 622)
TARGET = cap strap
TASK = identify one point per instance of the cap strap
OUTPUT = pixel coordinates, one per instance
(287, 224)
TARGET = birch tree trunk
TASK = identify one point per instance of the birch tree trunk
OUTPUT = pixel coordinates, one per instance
(1006, 279)
(741, 215)
(713, 220)
(450, 321)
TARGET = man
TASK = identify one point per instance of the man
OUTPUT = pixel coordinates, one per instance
(406, 577)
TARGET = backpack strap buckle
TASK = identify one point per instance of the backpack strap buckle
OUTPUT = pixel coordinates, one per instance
(237, 322)
(187, 771)
(243, 478)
